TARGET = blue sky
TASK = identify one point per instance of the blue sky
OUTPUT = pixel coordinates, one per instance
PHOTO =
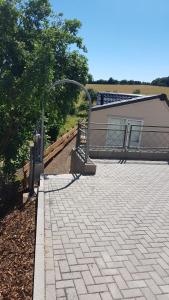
(126, 39)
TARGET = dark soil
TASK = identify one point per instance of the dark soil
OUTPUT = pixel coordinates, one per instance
(17, 241)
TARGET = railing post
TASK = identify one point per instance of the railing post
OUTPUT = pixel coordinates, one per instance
(129, 138)
(78, 136)
(125, 139)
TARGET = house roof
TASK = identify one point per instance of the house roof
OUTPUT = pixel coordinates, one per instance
(130, 100)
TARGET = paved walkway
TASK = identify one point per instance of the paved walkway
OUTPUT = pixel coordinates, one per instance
(107, 236)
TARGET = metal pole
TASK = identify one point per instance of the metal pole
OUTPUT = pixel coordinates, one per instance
(125, 138)
(129, 138)
(78, 135)
(42, 133)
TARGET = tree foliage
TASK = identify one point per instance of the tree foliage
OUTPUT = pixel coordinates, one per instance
(122, 82)
(34, 52)
(163, 81)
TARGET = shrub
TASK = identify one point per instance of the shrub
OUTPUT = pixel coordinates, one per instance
(136, 91)
(93, 94)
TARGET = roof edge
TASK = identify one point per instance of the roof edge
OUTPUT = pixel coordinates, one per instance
(125, 94)
(162, 97)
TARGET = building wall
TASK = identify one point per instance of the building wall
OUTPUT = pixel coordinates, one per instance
(152, 112)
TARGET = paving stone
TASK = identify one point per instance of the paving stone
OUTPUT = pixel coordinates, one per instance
(120, 282)
(163, 297)
(136, 284)
(78, 268)
(64, 284)
(64, 267)
(87, 277)
(125, 273)
(94, 270)
(103, 279)
(165, 288)
(148, 294)
(108, 241)
(106, 296)
(71, 294)
(155, 276)
(86, 261)
(71, 259)
(141, 276)
(153, 286)
(57, 274)
(115, 292)
(80, 286)
(100, 262)
(71, 275)
(90, 297)
(60, 293)
(106, 272)
(97, 288)
(132, 293)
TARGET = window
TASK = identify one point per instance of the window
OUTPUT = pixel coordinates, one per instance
(116, 132)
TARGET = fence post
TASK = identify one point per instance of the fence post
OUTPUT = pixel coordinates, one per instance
(129, 138)
(125, 139)
(86, 147)
(78, 136)
(32, 171)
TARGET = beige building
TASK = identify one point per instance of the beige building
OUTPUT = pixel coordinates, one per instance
(134, 122)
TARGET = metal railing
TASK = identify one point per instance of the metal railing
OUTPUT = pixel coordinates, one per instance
(116, 137)
(81, 140)
(151, 138)
(35, 164)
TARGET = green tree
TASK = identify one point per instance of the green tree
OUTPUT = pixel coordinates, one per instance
(34, 52)
(90, 78)
(112, 81)
(163, 81)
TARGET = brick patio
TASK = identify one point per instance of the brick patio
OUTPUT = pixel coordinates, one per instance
(107, 236)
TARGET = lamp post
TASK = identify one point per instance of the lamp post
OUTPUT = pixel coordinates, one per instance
(58, 82)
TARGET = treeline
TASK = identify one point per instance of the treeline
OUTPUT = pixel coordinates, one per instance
(163, 81)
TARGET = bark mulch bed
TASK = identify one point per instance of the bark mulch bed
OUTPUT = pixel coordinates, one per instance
(17, 240)
(17, 235)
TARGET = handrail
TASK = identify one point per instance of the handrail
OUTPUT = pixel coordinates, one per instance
(126, 137)
(155, 126)
(53, 150)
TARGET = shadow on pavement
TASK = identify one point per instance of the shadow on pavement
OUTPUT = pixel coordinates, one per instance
(75, 177)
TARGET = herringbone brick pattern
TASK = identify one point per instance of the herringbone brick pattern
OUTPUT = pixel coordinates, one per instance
(107, 236)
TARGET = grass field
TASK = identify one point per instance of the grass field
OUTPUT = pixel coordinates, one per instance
(144, 89)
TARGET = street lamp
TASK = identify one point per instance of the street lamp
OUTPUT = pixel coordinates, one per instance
(58, 82)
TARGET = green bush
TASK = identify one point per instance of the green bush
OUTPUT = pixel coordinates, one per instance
(137, 91)
(83, 106)
(93, 94)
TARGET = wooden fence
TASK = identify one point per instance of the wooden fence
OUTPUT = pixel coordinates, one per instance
(52, 151)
